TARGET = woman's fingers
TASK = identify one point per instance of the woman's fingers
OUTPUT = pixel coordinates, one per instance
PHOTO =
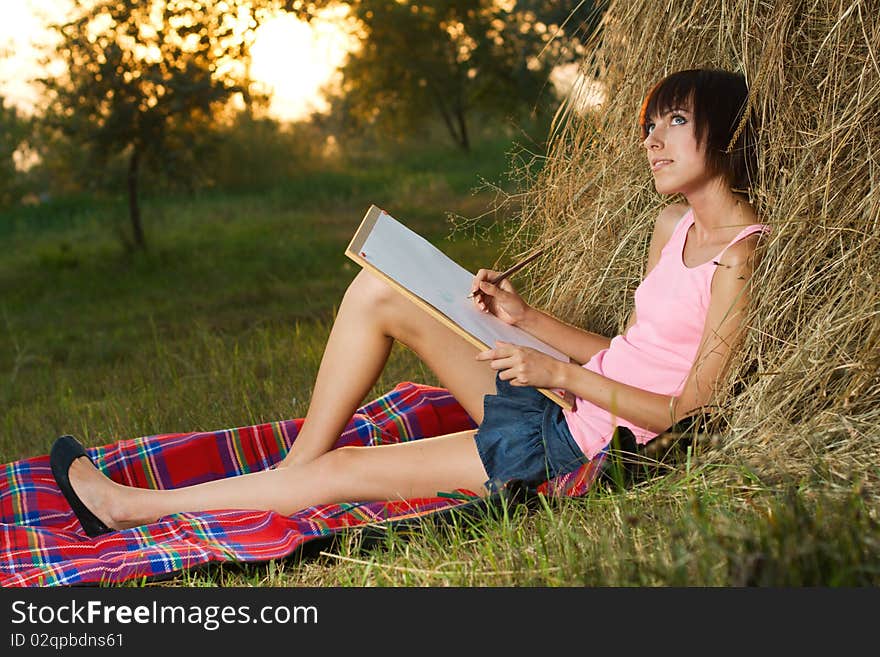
(520, 365)
(488, 293)
(489, 355)
(501, 350)
(503, 357)
(503, 364)
(480, 276)
(511, 361)
(507, 286)
(490, 288)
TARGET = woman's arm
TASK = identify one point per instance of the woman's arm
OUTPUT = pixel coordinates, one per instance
(503, 301)
(721, 337)
(577, 343)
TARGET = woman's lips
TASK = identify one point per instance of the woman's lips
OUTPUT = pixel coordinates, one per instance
(659, 164)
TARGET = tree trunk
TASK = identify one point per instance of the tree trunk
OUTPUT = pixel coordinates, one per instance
(464, 140)
(450, 124)
(459, 136)
(134, 210)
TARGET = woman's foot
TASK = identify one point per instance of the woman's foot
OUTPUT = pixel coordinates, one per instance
(98, 493)
(97, 501)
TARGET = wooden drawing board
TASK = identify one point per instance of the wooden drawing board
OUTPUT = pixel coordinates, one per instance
(437, 284)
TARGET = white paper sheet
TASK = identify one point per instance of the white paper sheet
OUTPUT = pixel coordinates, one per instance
(427, 272)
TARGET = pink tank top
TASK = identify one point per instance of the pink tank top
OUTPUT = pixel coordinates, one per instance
(657, 352)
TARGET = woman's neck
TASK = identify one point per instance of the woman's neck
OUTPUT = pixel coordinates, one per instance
(718, 211)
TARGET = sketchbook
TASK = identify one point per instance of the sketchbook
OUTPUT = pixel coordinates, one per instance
(436, 283)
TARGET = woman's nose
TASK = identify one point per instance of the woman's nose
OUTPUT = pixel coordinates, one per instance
(652, 140)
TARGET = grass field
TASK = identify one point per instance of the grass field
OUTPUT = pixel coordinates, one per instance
(222, 323)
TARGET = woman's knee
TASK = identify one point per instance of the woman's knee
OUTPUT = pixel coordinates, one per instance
(370, 291)
(397, 316)
(336, 466)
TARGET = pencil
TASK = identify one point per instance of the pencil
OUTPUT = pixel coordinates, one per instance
(510, 272)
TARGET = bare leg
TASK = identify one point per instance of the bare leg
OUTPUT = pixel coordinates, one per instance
(372, 315)
(370, 318)
(419, 468)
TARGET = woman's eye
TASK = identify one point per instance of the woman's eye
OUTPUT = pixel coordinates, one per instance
(678, 116)
(649, 128)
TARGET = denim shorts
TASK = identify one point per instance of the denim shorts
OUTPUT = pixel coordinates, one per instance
(524, 437)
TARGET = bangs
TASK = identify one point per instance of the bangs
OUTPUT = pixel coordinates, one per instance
(674, 92)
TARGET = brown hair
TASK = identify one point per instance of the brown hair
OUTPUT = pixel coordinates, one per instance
(719, 101)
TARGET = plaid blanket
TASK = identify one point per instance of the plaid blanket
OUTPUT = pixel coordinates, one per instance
(43, 544)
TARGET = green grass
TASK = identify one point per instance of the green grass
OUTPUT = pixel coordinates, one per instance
(222, 322)
(104, 343)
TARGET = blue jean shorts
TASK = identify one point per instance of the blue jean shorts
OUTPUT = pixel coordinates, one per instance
(524, 437)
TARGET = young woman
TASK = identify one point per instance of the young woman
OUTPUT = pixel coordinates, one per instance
(680, 337)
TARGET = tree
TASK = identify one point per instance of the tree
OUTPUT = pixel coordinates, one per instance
(453, 59)
(14, 133)
(143, 78)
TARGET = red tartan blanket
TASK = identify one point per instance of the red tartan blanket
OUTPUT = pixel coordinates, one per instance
(43, 544)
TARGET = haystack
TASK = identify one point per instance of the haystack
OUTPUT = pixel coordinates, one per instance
(804, 398)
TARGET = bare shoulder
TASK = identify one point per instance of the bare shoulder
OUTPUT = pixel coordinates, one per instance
(742, 253)
(667, 220)
(671, 213)
(663, 229)
(735, 269)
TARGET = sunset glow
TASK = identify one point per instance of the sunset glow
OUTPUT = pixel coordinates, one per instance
(291, 59)
(295, 60)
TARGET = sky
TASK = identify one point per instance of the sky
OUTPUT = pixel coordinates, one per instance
(20, 30)
(317, 50)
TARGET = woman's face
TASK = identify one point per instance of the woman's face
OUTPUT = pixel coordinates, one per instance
(677, 163)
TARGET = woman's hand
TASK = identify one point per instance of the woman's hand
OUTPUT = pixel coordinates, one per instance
(524, 366)
(501, 300)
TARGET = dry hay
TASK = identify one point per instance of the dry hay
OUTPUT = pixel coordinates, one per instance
(805, 395)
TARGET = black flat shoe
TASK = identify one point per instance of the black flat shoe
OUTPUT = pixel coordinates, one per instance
(64, 452)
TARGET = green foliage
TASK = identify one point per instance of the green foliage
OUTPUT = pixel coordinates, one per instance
(456, 60)
(142, 79)
(14, 133)
(143, 107)
(254, 153)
